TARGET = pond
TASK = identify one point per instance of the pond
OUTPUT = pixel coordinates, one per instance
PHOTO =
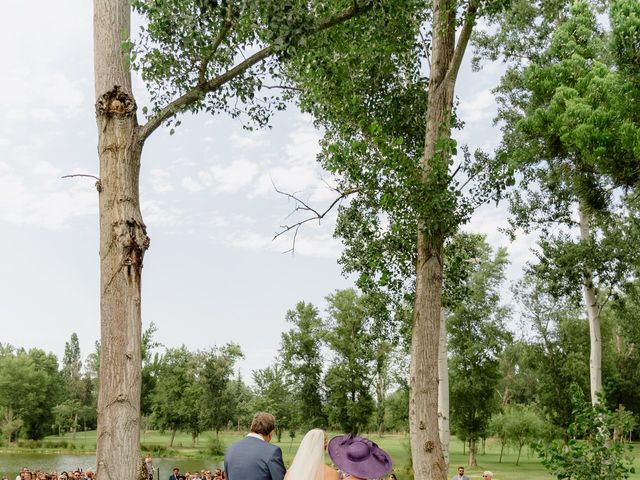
(11, 463)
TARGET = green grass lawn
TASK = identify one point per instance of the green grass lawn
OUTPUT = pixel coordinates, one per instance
(396, 445)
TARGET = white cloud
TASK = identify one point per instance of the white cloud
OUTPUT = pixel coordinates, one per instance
(298, 172)
(249, 140)
(157, 213)
(227, 179)
(249, 241)
(191, 185)
(235, 176)
(42, 198)
(479, 108)
(159, 181)
(306, 244)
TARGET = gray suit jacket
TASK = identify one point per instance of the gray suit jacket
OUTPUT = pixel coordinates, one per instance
(253, 459)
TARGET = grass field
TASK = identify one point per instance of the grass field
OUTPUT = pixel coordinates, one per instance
(396, 445)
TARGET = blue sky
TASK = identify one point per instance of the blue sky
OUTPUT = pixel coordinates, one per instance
(213, 273)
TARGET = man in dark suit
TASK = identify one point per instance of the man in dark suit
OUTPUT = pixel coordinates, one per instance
(253, 457)
(175, 474)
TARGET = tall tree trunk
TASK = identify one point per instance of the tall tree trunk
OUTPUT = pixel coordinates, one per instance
(75, 427)
(426, 448)
(123, 242)
(473, 458)
(593, 314)
(443, 390)
(173, 436)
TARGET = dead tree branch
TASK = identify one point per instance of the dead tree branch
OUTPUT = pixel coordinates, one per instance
(98, 181)
(313, 214)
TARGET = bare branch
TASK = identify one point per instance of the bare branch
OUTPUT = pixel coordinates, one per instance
(282, 87)
(302, 206)
(196, 93)
(98, 181)
(80, 175)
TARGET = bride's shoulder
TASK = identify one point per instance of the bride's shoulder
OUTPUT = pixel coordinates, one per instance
(330, 473)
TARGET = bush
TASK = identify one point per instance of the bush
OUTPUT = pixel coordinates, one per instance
(156, 450)
(592, 451)
(215, 447)
(62, 444)
(30, 444)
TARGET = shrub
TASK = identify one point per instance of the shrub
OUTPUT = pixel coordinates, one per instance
(215, 447)
(592, 451)
(156, 450)
(30, 443)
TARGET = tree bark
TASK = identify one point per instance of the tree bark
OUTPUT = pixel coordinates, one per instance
(173, 436)
(123, 242)
(473, 458)
(443, 391)
(426, 448)
(593, 314)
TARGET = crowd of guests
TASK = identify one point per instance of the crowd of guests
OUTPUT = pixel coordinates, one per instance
(77, 474)
(217, 474)
(89, 474)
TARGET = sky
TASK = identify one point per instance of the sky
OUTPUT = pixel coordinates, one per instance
(213, 273)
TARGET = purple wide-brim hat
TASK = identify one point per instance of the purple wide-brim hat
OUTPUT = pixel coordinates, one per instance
(359, 456)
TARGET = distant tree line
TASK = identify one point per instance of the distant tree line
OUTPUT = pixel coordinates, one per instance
(346, 371)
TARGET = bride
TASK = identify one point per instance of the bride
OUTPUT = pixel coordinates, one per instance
(308, 463)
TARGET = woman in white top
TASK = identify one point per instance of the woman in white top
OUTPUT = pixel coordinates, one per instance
(308, 463)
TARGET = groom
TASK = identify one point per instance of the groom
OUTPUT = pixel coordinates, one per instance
(253, 457)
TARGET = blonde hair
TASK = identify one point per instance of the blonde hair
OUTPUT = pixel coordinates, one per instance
(308, 463)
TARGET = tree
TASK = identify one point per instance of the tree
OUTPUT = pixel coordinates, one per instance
(519, 425)
(177, 394)
(189, 55)
(218, 401)
(243, 401)
(302, 360)
(350, 375)
(555, 355)
(477, 336)
(76, 394)
(72, 366)
(149, 368)
(592, 451)
(622, 383)
(30, 386)
(9, 425)
(389, 141)
(274, 395)
(562, 117)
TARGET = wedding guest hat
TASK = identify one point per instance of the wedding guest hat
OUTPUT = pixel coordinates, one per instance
(359, 456)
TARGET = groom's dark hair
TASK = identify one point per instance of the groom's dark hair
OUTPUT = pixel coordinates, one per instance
(263, 423)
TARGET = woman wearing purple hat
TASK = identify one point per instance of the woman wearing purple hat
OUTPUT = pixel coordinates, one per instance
(359, 458)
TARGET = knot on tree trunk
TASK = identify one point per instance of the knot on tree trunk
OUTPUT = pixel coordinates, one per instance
(133, 239)
(116, 102)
